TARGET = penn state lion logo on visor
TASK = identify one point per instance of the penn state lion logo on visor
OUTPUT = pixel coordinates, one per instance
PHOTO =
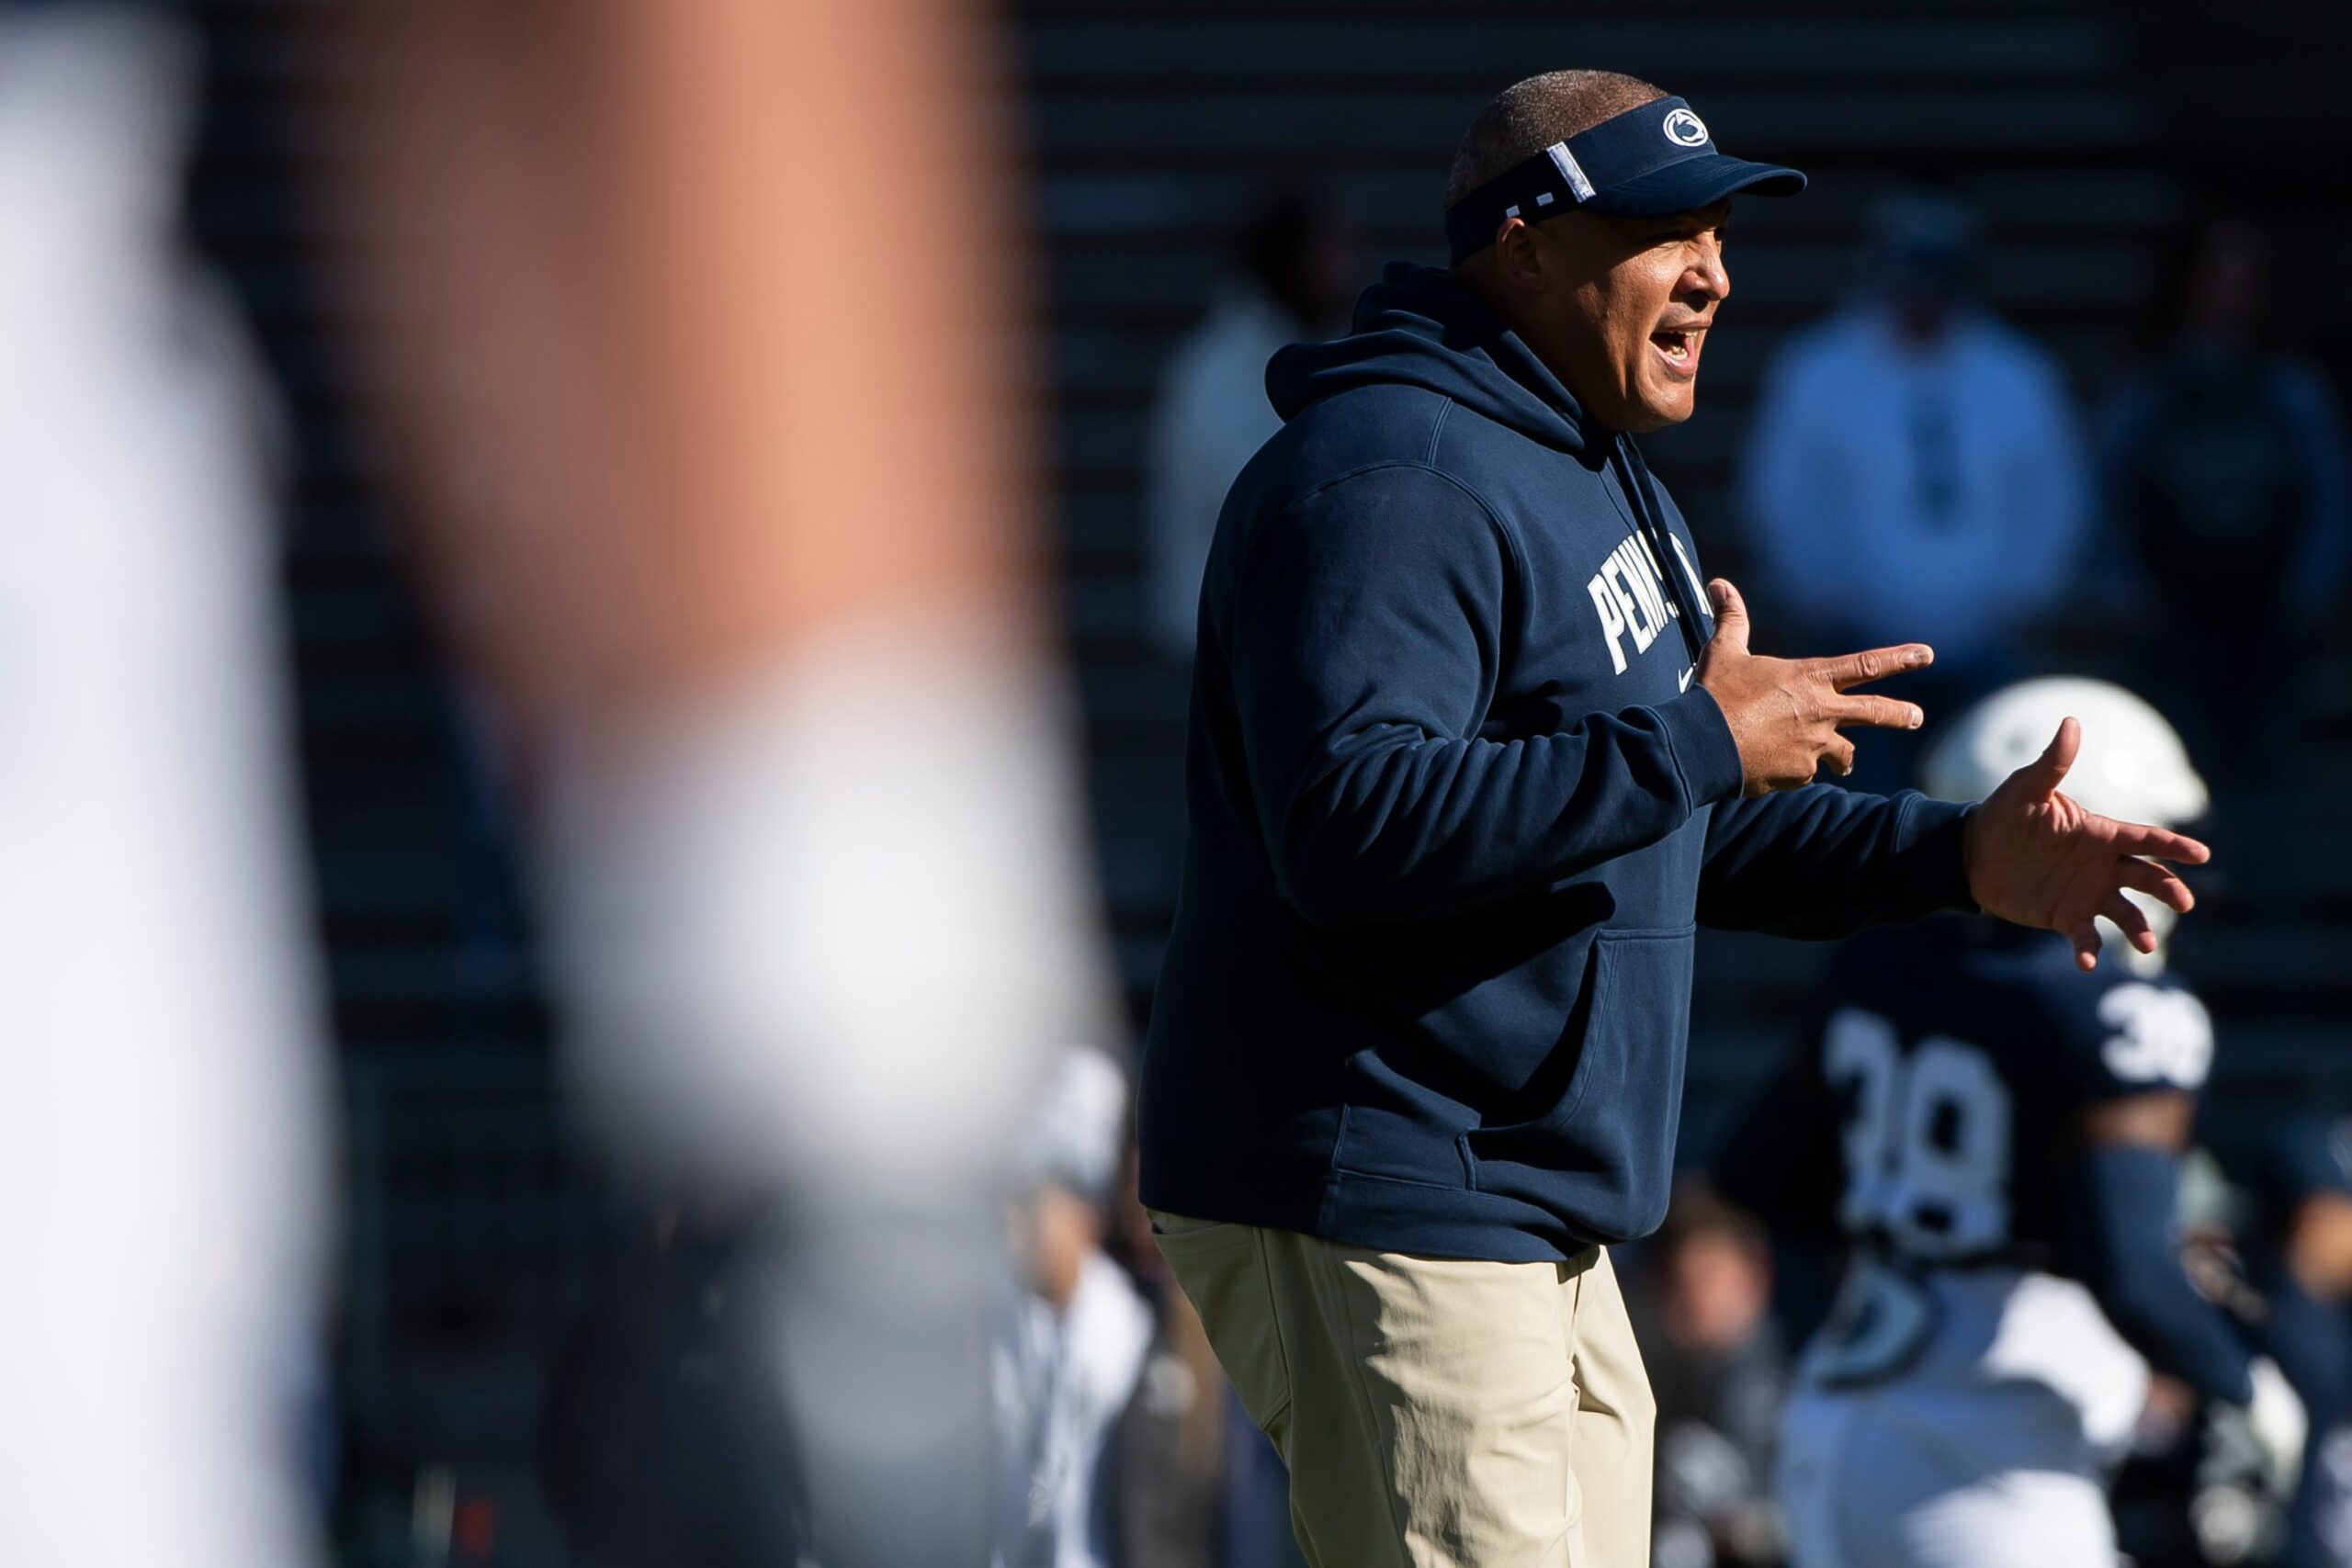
(1685, 128)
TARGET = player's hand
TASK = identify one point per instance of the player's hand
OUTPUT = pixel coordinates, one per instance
(1785, 713)
(2036, 858)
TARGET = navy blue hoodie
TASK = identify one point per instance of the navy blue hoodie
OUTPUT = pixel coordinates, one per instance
(1455, 808)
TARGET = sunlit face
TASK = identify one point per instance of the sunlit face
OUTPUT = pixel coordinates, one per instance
(1620, 308)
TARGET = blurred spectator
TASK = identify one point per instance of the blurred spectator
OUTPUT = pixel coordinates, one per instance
(1294, 279)
(1915, 473)
(1072, 1343)
(2225, 479)
(1700, 1305)
(2298, 1257)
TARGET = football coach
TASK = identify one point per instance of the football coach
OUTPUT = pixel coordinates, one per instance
(1471, 752)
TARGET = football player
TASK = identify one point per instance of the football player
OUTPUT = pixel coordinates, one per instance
(1996, 1135)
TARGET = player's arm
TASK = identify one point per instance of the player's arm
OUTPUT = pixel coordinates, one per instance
(688, 358)
(2125, 1253)
(2124, 1250)
(701, 379)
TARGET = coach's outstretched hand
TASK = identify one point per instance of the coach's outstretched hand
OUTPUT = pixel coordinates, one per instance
(2036, 858)
(1784, 713)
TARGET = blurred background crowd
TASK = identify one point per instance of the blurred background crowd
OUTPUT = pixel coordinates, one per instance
(2043, 369)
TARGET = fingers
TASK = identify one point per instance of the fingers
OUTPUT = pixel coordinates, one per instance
(2143, 876)
(2084, 936)
(1731, 614)
(2159, 843)
(1877, 664)
(2047, 772)
(1879, 712)
(2130, 920)
(1838, 757)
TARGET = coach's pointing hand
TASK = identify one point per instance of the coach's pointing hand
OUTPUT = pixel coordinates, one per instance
(1785, 713)
(2036, 858)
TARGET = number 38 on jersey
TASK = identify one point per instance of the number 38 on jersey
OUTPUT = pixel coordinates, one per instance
(1928, 1144)
(1937, 1142)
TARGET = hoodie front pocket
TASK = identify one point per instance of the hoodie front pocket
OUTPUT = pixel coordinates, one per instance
(1609, 1139)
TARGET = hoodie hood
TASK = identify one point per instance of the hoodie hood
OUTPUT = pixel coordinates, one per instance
(1418, 327)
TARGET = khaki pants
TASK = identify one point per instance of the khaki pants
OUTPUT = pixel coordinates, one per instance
(1433, 1413)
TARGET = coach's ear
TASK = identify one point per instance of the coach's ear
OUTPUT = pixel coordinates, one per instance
(1520, 259)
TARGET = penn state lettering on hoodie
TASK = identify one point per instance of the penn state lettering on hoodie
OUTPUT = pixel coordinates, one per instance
(1455, 808)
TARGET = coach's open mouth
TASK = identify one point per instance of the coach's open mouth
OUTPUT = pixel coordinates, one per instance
(1679, 349)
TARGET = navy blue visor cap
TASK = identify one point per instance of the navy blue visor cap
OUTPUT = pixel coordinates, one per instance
(1650, 162)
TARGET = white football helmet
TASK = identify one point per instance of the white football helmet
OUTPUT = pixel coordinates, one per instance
(2132, 765)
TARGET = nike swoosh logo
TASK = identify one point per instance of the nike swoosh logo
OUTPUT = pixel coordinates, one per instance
(1685, 677)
